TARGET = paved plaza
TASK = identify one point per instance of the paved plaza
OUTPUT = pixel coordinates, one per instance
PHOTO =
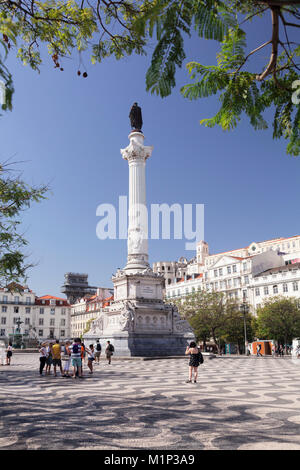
(238, 403)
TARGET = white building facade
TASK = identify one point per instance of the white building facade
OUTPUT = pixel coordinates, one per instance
(40, 317)
(52, 319)
(88, 309)
(256, 273)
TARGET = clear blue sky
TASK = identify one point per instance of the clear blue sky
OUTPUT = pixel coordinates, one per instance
(68, 131)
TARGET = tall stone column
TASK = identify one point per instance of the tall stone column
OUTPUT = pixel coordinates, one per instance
(138, 322)
(137, 246)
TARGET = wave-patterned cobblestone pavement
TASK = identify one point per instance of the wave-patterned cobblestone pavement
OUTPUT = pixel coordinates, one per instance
(244, 403)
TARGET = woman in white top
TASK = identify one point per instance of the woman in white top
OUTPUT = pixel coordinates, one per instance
(91, 357)
(43, 357)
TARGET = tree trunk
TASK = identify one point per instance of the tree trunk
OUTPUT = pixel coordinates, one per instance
(215, 341)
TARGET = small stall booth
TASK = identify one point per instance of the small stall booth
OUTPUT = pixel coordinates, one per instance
(266, 347)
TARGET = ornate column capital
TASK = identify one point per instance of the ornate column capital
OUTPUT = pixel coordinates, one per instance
(136, 150)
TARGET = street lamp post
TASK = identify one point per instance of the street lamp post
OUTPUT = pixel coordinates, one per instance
(244, 307)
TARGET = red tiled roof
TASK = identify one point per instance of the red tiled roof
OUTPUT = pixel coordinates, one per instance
(45, 300)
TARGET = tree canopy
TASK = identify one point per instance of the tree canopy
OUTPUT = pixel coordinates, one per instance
(213, 315)
(15, 196)
(279, 319)
(121, 28)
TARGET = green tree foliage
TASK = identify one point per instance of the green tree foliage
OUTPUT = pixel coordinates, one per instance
(279, 319)
(15, 197)
(213, 315)
(233, 331)
(120, 28)
(241, 91)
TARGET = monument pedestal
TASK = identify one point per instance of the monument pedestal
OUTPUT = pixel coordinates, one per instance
(138, 322)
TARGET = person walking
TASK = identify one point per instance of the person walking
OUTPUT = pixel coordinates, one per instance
(91, 357)
(49, 359)
(258, 348)
(273, 350)
(196, 358)
(43, 357)
(109, 351)
(97, 349)
(56, 355)
(280, 350)
(75, 349)
(8, 353)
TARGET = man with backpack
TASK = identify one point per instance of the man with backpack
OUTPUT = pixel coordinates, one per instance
(97, 350)
(109, 351)
(75, 349)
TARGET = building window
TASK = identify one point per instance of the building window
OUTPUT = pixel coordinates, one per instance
(295, 286)
(257, 291)
(266, 290)
(41, 332)
(16, 309)
(285, 288)
(3, 320)
(15, 319)
(216, 273)
(228, 269)
(275, 289)
(2, 332)
(63, 322)
(41, 321)
(52, 302)
(246, 279)
(62, 333)
(229, 283)
(16, 299)
(234, 268)
(220, 271)
(41, 310)
(27, 321)
(28, 300)
(52, 311)
(27, 309)
(5, 298)
(4, 308)
(52, 321)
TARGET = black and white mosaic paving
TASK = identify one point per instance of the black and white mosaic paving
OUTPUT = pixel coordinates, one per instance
(246, 403)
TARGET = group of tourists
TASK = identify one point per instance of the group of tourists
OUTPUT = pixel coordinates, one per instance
(70, 357)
